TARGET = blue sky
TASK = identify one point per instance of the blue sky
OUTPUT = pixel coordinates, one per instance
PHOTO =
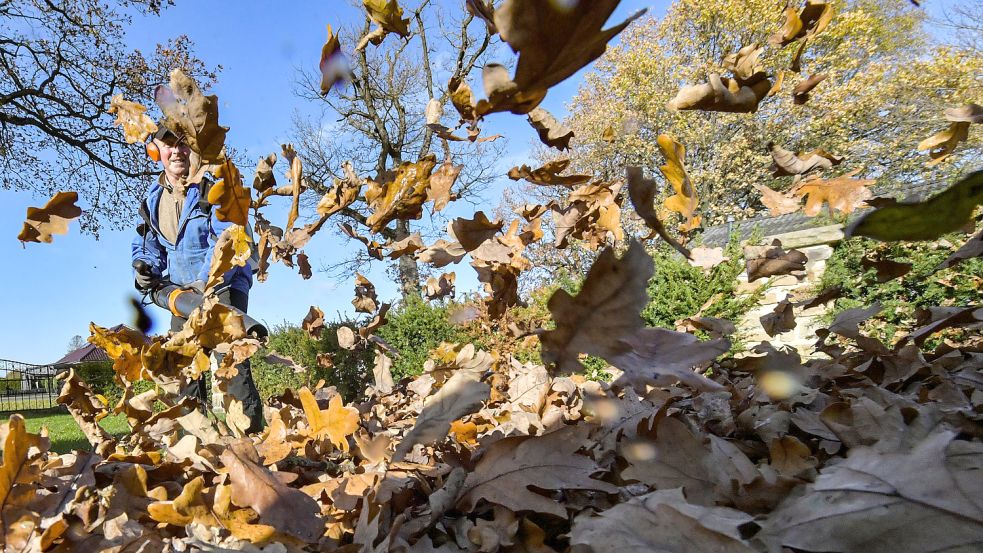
(52, 291)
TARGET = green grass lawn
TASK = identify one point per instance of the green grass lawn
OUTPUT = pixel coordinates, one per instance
(65, 434)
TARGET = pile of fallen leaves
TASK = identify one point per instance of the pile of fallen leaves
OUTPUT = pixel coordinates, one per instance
(868, 447)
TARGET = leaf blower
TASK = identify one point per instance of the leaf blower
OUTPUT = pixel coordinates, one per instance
(182, 300)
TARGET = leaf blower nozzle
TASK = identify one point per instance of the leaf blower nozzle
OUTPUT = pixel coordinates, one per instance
(182, 300)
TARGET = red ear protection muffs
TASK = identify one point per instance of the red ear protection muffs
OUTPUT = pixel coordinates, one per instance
(153, 152)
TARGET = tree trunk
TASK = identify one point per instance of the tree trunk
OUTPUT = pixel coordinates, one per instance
(409, 272)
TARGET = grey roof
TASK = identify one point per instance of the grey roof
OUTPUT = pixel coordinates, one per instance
(717, 235)
(87, 353)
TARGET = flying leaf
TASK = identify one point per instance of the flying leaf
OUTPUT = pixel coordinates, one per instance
(264, 179)
(193, 116)
(436, 288)
(777, 202)
(365, 297)
(972, 248)
(407, 246)
(941, 145)
(137, 125)
(944, 212)
(685, 200)
(484, 10)
(53, 218)
(800, 94)
(549, 174)
(844, 193)
(374, 248)
(803, 25)
(401, 197)
(740, 94)
(603, 319)
(232, 249)
(887, 269)
(336, 423)
(551, 132)
(442, 253)
(342, 194)
(553, 43)
(781, 319)
(313, 323)
(787, 163)
(333, 66)
(440, 184)
(229, 195)
(707, 258)
(461, 395)
(970, 113)
(471, 233)
(642, 192)
(389, 17)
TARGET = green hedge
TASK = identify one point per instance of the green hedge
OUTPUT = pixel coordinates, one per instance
(901, 297)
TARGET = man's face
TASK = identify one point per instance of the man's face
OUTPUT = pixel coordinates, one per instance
(174, 156)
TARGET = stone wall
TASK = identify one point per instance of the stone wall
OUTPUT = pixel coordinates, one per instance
(817, 244)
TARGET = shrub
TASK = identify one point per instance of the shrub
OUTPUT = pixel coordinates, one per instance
(901, 297)
(415, 327)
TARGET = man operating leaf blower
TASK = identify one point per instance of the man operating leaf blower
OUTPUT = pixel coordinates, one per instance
(172, 253)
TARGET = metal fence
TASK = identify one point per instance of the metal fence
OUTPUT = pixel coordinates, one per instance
(27, 387)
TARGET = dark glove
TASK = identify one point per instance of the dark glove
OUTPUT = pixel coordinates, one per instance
(144, 282)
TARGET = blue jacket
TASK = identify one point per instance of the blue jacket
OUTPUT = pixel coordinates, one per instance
(189, 259)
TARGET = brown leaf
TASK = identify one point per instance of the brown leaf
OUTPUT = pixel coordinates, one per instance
(800, 94)
(342, 194)
(264, 179)
(790, 456)
(786, 163)
(401, 197)
(382, 373)
(721, 94)
(373, 248)
(685, 200)
(969, 113)
(461, 395)
(333, 66)
(871, 501)
(886, 269)
(87, 411)
(942, 144)
(407, 246)
(553, 43)
(777, 202)
(336, 423)
(193, 116)
(17, 463)
(229, 195)
(549, 174)
(137, 125)
(440, 184)
(662, 521)
(471, 233)
(304, 266)
(551, 132)
(972, 248)
(313, 323)
(289, 511)
(642, 192)
(603, 320)
(439, 287)
(442, 253)
(844, 193)
(510, 466)
(766, 261)
(782, 319)
(365, 297)
(51, 219)
(232, 249)
(484, 10)
(388, 17)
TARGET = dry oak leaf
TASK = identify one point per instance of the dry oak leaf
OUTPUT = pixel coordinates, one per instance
(604, 319)
(662, 521)
(193, 116)
(721, 94)
(944, 212)
(137, 125)
(549, 174)
(365, 296)
(786, 163)
(485, 11)
(440, 184)
(382, 374)
(510, 466)
(781, 319)
(970, 113)
(332, 65)
(264, 179)
(800, 94)
(336, 423)
(389, 17)
(53, 218)
(407, 246)
(17, 463)
(707, 258)
(887, 269)
(766, 261)
(777, 203)
(232, 249)
(927, 499)
(188, 507)
(286, 509)
(642, 192)
(123, 345)
(439, 287)
(941, 145)
(373, 248)
(844, 193)
(811, 20)
(462, 394)
(442, 253)
(972, 248)
(228, 193)
(553, 43)
(87, 411)
(472, 233)
(342, 194)
(313, 323)
(551, 132)
(685, 200)
(403, 196)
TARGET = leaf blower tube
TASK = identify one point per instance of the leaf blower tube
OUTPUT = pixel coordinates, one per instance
(181, 301)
